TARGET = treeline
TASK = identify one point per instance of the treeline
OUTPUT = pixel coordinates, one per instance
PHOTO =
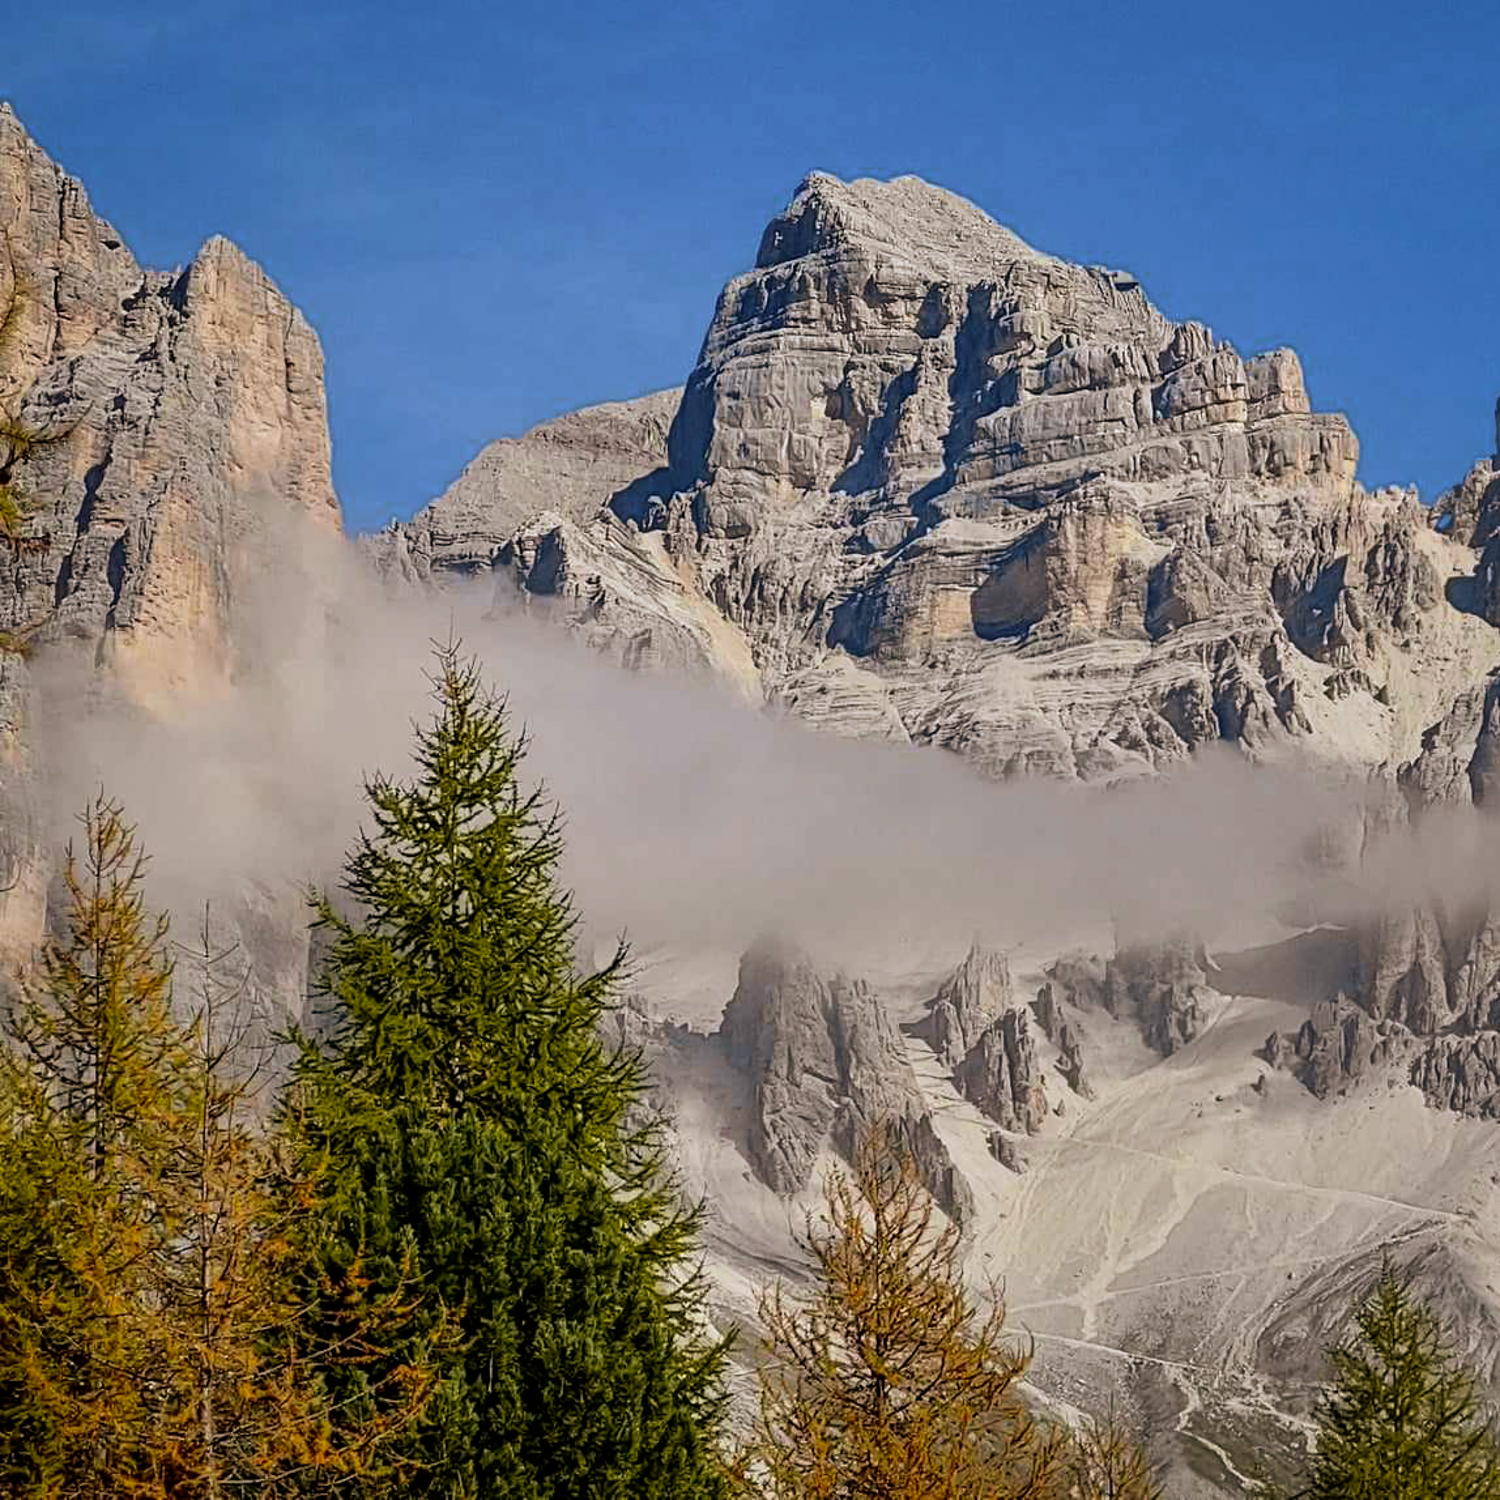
(439, 1251)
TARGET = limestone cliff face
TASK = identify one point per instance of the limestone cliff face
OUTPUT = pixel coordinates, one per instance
(824, 1063)
(158, 420)
(928, 483)
(155, 429)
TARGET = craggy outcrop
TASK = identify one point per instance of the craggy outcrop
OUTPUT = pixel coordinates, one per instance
(155, 423)
(1063, 1035)
(1433, 967)
(1001, 1076)
(823, 1063)
(1338, 1047)
(1461, 1073)
(1164, 987)
(571, 466)
(977, 991)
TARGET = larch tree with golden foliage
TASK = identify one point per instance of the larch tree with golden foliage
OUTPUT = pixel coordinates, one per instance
(149, 1337)
(86, 1104)
(248, 1407)
(886, 1382)
(1103, 1461)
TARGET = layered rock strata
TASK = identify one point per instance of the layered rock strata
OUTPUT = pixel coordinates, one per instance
(933, 484)
(161, 435)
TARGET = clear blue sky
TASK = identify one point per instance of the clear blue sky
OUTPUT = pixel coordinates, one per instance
(493, 212)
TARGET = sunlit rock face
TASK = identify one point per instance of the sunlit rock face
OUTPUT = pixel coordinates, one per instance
(928, 483)
(158, 430)
(166, 416)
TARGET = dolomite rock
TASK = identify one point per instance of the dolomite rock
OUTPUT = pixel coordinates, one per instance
(1486, 589)
(171, 418)
(935, 485)
(571, 466)
(1337, 1047)
(1461, 1073)
(1470, 511)
(977, 991)
(824, 1063)
(605, 586)
(1078, 979)
(164, 433)
(1059, 1030)
(1436, 968)
(1164, 987)
(1000, 1074)
(1005, 1151)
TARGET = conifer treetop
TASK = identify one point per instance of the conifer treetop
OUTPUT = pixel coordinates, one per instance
(1402, 1419)
(452, 966)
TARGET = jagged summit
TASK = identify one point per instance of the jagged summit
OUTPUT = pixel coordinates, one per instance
(906, 217)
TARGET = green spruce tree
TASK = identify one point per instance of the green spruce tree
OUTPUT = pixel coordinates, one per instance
(475, 1125)
(1401, 1420)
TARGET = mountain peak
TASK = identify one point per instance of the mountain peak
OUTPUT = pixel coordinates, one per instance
(906, 218)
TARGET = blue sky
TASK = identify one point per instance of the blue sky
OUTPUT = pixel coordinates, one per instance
(495, 212)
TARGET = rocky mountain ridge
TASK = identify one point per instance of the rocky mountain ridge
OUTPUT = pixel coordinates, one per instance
(927, 483)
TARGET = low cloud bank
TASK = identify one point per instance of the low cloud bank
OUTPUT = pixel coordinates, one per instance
(693, 821)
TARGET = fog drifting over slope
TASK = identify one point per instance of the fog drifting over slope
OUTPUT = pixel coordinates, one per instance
(692, 819)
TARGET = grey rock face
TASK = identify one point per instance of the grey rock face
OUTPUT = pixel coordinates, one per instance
(1164, 987)
(1337, 1047)
(929, 483)
(928, 342)
(1470, 511)
(1000, 1074)
(1059, 1030)
(167, 417)
(977, 991)
(1436, 969)
(158, 429)
(1078, 979)
(1461, 1073)
(604, 584)
(1005, 1151)
(570, 467)
(824, 1063)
